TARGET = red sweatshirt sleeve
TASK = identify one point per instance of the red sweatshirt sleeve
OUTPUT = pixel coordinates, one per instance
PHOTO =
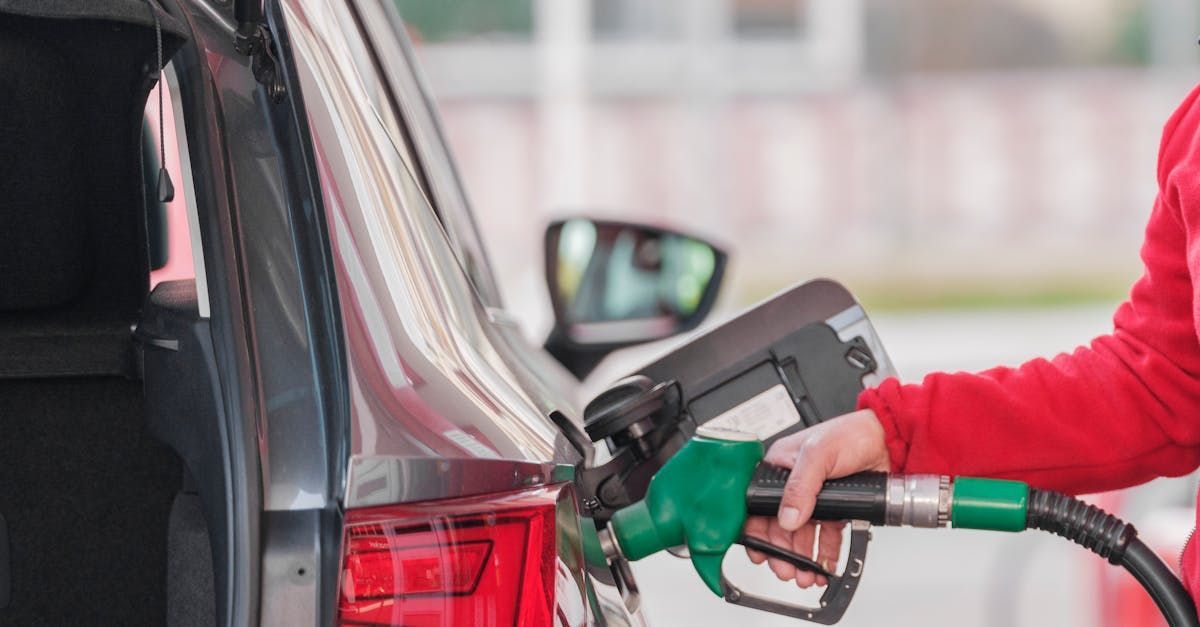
(1118, 412)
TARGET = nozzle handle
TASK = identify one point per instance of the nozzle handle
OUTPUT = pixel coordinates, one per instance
(837, 596)
(861, 496)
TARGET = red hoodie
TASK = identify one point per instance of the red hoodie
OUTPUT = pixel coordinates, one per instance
(1116, 413)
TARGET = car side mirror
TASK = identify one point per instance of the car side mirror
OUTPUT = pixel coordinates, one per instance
(616, 284)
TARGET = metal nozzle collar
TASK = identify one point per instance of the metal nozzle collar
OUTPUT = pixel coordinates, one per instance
(918, 501)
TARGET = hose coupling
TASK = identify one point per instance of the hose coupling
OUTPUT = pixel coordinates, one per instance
(918, 500)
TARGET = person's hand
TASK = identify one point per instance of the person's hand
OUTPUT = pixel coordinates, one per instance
(835, 448)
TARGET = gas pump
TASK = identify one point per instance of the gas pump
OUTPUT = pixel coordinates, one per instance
(686, 437)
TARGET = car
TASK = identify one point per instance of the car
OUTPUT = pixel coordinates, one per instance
(321, 413)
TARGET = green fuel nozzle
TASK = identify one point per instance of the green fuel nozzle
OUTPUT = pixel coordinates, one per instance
(701, 497)
(697, 499)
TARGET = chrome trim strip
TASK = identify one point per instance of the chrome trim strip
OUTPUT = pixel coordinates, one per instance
(383, 480)
(189, 190)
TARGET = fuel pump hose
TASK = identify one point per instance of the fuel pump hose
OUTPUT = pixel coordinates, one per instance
(700, 499)
(990, 504)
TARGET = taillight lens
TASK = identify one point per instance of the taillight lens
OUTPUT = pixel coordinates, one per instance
(479, 561)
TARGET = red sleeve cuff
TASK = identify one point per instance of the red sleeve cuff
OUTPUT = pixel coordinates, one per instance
(878, 400)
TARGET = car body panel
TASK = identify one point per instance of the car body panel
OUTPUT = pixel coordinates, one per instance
(237, 559)
(425, 376)
(366, 354)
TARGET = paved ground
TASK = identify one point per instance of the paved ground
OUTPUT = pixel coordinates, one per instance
(931, 577)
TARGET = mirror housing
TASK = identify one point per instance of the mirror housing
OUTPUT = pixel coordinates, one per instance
(619, 284)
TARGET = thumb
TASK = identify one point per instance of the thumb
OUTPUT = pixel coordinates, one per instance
(832, 449)
(810, 469)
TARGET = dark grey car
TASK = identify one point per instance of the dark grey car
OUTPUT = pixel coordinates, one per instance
(335, 421)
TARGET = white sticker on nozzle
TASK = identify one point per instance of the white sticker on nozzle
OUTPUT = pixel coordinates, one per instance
(764, 414)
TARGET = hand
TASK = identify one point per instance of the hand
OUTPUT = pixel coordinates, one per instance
(835, 448)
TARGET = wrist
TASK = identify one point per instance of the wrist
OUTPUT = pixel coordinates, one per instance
(875, 402)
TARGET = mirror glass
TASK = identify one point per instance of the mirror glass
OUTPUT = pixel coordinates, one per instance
(615, 282)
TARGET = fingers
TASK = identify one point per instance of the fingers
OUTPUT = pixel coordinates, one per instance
(802, 543)
(827, 538)
(810, 469)
(834, 448)
(756, 526)
(781, 537)
(829, 548)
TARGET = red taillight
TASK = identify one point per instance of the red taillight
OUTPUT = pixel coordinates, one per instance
(383, 564)
(456, 562)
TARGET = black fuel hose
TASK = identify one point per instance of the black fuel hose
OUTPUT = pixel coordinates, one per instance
(1162, 584)
(926, 501)
(1117, 541)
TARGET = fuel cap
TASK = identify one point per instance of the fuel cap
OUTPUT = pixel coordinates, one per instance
(628, 410)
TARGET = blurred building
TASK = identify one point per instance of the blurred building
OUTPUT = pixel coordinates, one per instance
(992, 143)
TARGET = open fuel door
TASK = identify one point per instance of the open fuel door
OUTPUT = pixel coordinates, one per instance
(796, 359)
(791, 362)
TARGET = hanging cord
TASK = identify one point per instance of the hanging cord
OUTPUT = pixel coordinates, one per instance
(166, 190)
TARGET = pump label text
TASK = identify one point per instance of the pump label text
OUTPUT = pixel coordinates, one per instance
(764, 414)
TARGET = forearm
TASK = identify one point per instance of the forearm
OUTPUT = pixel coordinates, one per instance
(1110, 415)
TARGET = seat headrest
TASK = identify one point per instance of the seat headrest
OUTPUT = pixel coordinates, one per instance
(43, 256)
(73, 87)
(74, 259)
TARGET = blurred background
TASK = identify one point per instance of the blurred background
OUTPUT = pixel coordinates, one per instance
(977, 172)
